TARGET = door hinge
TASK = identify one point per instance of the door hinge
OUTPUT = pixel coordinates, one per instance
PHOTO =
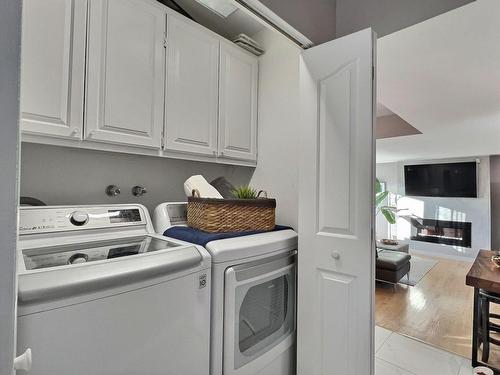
(165, 42)
(162, 140)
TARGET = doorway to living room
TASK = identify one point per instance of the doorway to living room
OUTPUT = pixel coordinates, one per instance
(435, 188)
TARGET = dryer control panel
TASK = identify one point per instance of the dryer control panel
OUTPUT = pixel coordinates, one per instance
(62, 218)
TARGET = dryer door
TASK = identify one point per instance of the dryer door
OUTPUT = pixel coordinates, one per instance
(259, 314)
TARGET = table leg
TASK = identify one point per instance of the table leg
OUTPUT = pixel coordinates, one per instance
(475, 327)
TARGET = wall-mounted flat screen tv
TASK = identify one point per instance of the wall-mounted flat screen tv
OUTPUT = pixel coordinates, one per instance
(441, 180)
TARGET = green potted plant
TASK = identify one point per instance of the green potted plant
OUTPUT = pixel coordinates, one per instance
(245, 192)
(380, 197)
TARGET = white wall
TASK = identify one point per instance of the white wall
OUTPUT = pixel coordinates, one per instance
(475, 210)
(277, 170)
(10, 47)
(59, 175)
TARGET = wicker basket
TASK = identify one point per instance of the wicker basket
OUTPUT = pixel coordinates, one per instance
(230, 215)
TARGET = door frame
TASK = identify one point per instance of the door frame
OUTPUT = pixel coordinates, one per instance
(10, 67)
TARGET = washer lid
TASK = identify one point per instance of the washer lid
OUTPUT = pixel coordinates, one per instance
(92, 251)
(57, 282)
(254, 245)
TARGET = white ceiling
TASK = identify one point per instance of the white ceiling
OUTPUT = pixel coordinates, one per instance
(443, 77)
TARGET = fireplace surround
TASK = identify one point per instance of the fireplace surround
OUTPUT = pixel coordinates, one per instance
(455, 233)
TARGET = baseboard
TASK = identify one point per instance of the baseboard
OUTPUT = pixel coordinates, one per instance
(443, 256)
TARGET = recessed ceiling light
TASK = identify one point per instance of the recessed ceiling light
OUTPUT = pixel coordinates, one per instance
(222, 8)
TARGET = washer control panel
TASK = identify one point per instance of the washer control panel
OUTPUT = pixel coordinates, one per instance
(55, 218)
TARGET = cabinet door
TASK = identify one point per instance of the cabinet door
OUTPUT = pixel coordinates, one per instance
(53, 67)
(192, 88)
(238, 103)
(125, 73)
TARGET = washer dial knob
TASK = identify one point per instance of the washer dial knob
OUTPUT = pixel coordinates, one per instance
(79, 218)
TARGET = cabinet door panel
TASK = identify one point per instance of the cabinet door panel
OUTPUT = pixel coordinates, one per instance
(238, 104)
(192, 88)
(52, 67)
(126, 72)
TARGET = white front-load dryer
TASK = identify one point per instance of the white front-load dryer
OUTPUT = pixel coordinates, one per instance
(253, 313)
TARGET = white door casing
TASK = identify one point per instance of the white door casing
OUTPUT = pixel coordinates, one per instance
(53, 67)
(192, 88)
(238, 103)
(10, 50)
(125, 72)
(336, 215)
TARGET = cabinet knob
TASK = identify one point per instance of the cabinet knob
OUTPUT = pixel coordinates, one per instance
(335, 255)
(74, 130)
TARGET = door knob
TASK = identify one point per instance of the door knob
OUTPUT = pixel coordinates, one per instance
(335, 255)
(24, 361)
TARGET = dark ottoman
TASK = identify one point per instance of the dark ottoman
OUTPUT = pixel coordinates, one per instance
(391, 266)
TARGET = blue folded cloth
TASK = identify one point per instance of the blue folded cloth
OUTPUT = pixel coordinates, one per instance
(199, 237)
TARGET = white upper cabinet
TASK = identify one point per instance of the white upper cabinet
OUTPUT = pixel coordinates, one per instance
(237, 103)
(192, 88)
(53, 66)
(125, 72)
(134, 76)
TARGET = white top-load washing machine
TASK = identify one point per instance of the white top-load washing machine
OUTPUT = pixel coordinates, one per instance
(101, 294)
(253, 298)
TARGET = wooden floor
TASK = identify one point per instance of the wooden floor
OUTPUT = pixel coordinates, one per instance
(438, 310)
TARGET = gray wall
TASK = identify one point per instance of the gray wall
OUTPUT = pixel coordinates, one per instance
(324, 20)
(10, 47)
(495, 201)
(313, 18)
(388, 16)
(59, 175)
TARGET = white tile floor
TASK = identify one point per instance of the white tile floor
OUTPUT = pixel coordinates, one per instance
(399, 355)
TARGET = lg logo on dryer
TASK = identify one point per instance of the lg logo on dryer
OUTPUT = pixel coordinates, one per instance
(202, 281)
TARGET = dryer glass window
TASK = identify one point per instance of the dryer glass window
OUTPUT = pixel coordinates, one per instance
(263, 312)
(262, 297)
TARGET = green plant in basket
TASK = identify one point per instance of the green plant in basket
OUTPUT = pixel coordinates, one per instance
(245, 192)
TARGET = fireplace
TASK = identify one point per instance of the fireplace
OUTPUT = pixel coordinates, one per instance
(454, 233)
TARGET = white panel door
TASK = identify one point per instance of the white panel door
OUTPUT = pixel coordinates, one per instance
(238, 103)
(53, 67)
(336, 208)
(192, 88)
(125, 72)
